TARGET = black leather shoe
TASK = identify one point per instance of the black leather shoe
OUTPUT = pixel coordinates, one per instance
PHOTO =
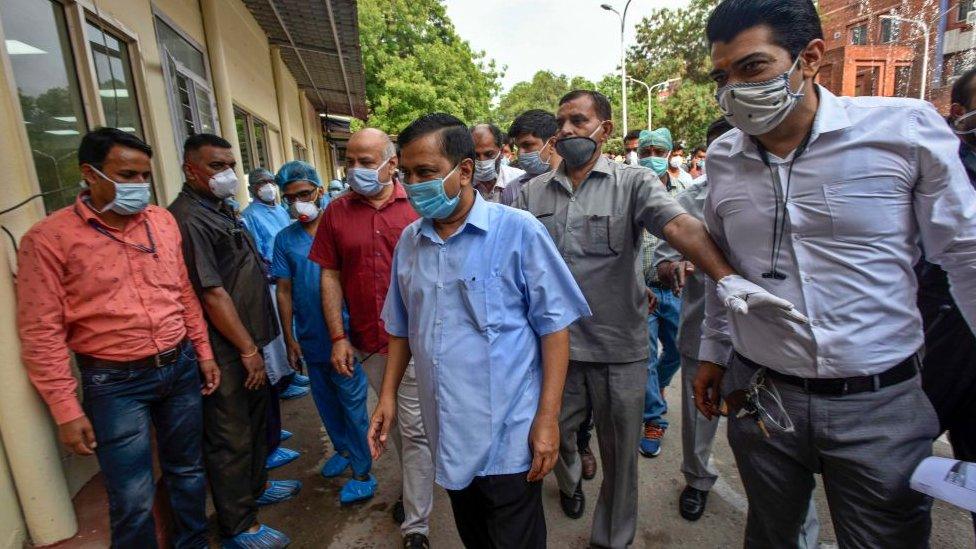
(398, 514)
(573, 505)
(691, 504)
(416, 540)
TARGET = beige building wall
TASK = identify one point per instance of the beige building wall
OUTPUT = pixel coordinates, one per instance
(37, 476)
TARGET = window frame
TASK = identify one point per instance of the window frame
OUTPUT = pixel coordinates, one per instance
(297, 148)
(172, 68)
(247, 142)
(894, 30)
(960, 14)
(77, 15)
(862, 31)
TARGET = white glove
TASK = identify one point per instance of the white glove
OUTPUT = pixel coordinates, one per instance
(739, 295)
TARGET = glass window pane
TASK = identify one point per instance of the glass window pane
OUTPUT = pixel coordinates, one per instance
(261, 144)
(180, 49)
(241, 122)
(44, 73)
(204, 109)
(115, 82)
(183, 87)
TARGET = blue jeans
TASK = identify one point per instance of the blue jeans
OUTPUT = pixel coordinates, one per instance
(663, 325)
(341, 402)
(122, 405)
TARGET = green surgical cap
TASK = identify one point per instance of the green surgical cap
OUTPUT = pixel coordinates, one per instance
(659, 138)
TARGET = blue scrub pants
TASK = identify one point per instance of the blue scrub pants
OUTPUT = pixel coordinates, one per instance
(341, 402)
(663, 326)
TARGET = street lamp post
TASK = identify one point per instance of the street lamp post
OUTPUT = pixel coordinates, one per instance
(650, 96)
(650, 115)
(923, 26)
(623, 59)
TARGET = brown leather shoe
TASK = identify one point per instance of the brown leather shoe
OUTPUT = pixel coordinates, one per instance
(589, 463)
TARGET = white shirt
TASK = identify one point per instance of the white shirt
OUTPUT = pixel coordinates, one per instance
(506, 175)
(878, 176)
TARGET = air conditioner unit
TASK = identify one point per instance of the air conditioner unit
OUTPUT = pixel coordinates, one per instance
(971, 17)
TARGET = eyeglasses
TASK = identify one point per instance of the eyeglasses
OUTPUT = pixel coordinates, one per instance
(303, 196)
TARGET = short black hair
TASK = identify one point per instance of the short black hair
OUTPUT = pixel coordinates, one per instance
(496, 133)
(632, 134)
(535, 122)
(96, 144)
(698, 149)
(961, 90)
(794, 23)
(717, 129)
(455, 137)
(200, 140)
(600, 101)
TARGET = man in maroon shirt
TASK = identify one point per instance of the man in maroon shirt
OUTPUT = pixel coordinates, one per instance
(354, 245)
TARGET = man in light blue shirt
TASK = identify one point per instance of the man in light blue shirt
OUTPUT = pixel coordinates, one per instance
(482, 300)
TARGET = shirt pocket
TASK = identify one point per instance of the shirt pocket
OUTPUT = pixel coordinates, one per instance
(603, 235)
(483, 311)
(548, 221)
(863, 210)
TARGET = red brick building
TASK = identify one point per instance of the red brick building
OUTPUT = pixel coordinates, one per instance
(868, 54)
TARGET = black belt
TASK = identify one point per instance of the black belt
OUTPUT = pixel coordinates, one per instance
(903, 371)
(164, 358)
(659, 286)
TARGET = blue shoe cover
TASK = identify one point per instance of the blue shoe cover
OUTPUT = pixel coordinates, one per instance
(265, 538)
(357, 490)
(300, 380)
(335, 466)
(279, 491)
(281, 456)
(293, 391)
(285, 435)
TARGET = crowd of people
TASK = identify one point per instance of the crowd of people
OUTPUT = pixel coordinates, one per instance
(810, 271)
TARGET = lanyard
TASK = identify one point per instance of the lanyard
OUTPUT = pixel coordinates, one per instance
(782, 195)
(150, 249)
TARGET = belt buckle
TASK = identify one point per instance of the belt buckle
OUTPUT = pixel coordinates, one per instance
(164, 358)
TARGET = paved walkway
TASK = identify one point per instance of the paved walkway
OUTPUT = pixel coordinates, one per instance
(315, 518)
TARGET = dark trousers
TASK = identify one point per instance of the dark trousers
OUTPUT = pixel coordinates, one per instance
(585, 432)
(122, 405)
(500, 511)
(235, 447)
(949, 380)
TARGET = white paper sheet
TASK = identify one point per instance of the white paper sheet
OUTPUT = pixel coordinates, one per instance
(950, 480)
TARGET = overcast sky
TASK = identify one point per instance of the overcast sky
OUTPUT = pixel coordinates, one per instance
(572, 37)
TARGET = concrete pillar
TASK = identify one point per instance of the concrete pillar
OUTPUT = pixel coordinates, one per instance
(25, 426)
(284, 122)
(312, 154)
(13, 531)
(212, 11)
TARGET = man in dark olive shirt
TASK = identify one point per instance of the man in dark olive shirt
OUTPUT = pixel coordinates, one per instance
(228, 275)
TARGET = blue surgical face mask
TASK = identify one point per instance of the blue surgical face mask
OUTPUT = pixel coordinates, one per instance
(532, 162)
(429, 199)
(130, 198)
(366, 181)
(657, 163)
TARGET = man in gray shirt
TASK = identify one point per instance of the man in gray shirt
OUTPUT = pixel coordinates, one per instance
(596, 210)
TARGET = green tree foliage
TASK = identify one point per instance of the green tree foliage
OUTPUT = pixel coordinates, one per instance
(542, 92)
(671, 43)
(416, 63)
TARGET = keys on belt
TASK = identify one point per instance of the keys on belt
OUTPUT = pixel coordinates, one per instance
(160, 360)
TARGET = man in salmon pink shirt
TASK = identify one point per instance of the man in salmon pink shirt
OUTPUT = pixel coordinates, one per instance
(104, 278)
(354, 246)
